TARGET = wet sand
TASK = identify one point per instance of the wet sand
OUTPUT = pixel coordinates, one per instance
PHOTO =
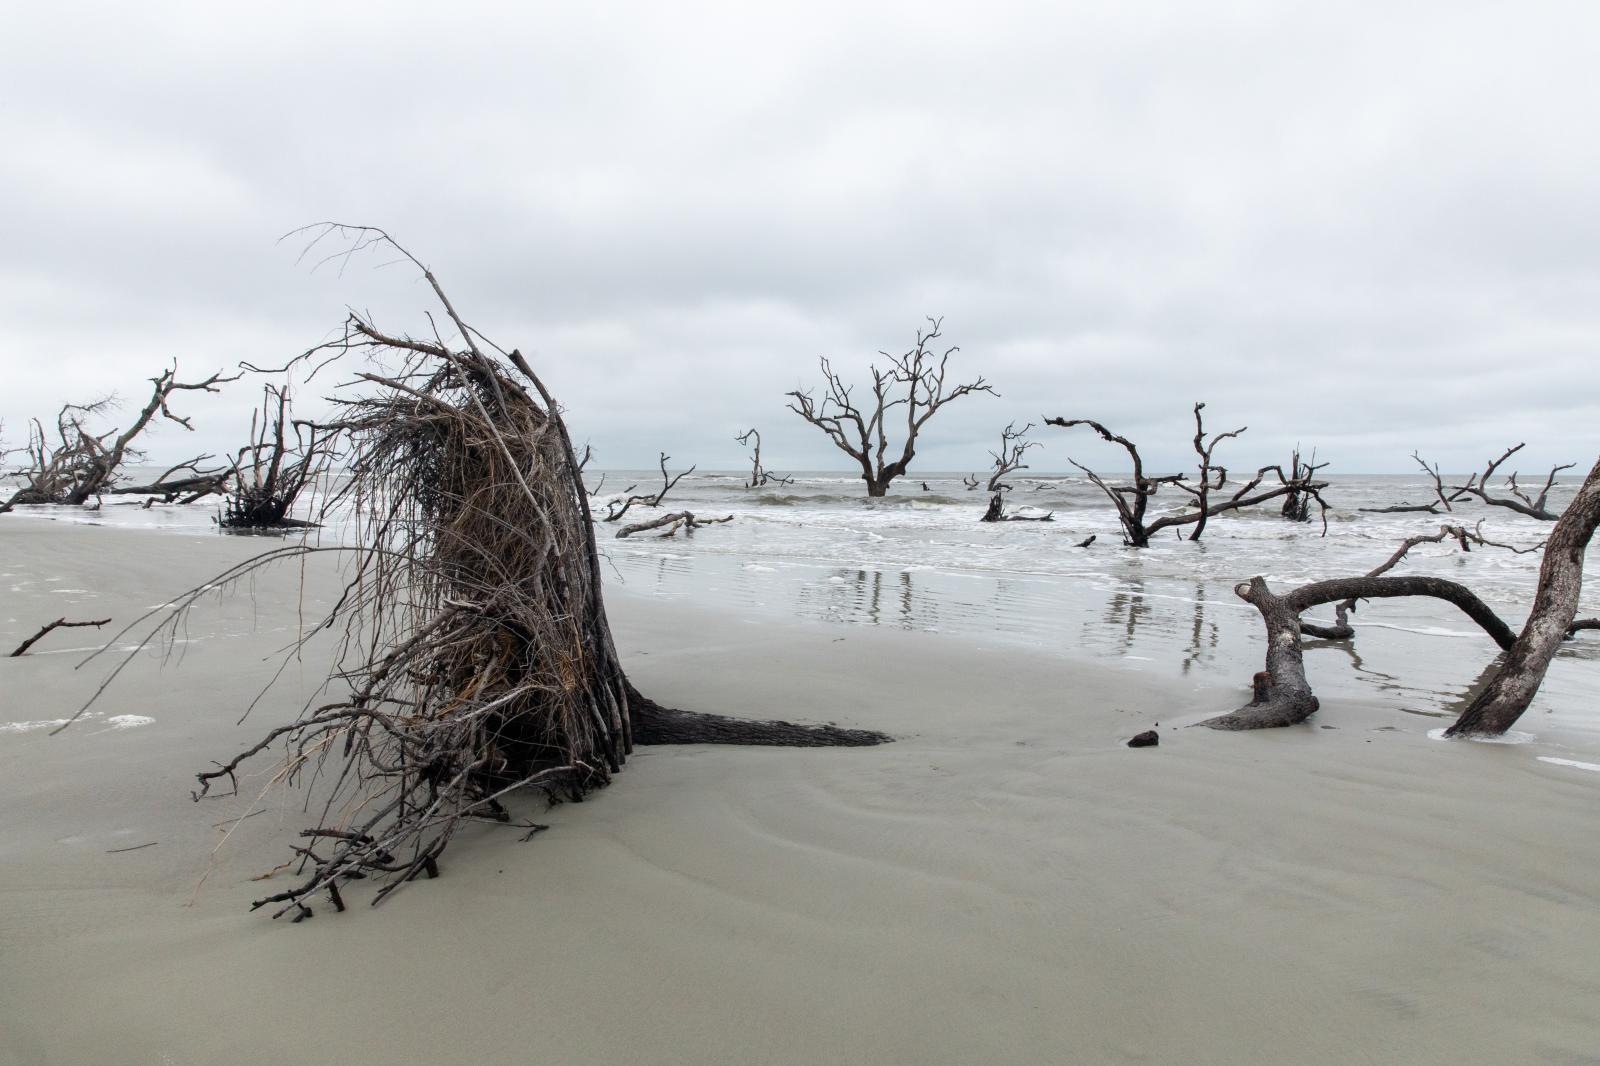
(1007, 882)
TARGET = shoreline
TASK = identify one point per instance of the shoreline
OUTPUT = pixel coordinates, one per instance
(1005, 881)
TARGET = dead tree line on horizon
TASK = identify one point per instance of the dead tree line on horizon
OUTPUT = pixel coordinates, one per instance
(915, 380)
(1282, 695)
(1478, 486)
(1132, 500)
(80, 464)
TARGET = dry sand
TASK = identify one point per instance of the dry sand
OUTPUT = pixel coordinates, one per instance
(1007, 883)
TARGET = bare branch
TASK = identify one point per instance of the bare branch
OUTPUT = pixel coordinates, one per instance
(59, 623)
(616, 509)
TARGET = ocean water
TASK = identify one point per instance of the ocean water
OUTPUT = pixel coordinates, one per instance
(920, 560)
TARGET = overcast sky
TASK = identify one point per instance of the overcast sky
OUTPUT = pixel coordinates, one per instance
(1371, 228)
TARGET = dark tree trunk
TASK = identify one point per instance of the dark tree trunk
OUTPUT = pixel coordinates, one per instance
(1282, 695)
(1555, 606)
(655, 724)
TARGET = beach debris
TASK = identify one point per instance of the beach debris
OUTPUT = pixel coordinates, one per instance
(1148, 739)
(136, 847)
(670, 524)
(1132, 500)
(615, 509)
(1086, 541)
(760, 475)
(81, 464)
(1281, 694)
(914, 379)
(473, 660)
(59, 623)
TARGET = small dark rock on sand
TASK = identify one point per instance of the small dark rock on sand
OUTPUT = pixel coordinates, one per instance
(1148, 739)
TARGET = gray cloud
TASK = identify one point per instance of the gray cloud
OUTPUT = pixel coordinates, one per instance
(1348, 225)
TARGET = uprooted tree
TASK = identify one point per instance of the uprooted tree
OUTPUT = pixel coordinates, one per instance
(271, 472)
(476, 661)
(1297, 503)
(915, 380)
(1283, 696)
(79, 464)
(1132, 500)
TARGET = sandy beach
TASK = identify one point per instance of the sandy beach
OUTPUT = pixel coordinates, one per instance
(1007, 882)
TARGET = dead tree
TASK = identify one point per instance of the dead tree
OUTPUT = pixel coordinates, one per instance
(1553, 618)
(1297, 504)
(615, 509)
(915, 380)
(1444, 500)
(1283, 696)
(670, 524)
(80, 464)
(474, 660)
(1014, 445)
(759, 475)
(1519, 501)
(271, 471)
(1132, 500)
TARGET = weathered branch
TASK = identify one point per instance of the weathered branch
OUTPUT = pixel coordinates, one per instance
(759, 475)
(1442, 500)
(59, 623)
(615, 509)
(1519, 501)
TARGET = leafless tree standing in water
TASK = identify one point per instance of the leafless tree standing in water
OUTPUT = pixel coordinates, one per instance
(915, 380)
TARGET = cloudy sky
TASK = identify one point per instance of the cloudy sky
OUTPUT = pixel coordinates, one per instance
(1371, 228)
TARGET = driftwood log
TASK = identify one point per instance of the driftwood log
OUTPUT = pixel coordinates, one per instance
(669, 524)
(1281, 694)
